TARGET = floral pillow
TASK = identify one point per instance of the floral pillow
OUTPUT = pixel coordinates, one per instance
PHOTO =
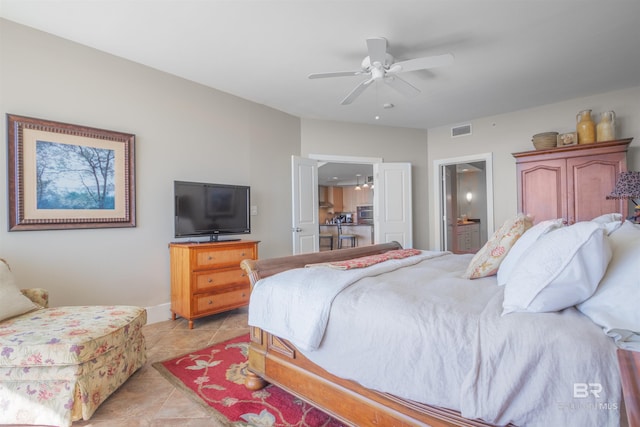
(12, 302)
(487, 260)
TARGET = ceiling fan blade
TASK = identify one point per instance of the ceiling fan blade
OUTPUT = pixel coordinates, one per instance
(402, 86)
(377, 48)
(356, 92)
(335, 74)
(422, 63)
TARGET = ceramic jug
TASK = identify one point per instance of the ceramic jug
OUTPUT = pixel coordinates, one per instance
(606, 129)
(586, 128)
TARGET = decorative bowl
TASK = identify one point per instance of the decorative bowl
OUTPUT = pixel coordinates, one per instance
(543, 141)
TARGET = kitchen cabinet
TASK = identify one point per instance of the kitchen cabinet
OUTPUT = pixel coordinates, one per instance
(322, 196)
(334, 196)
(571, 182)
(353, 198)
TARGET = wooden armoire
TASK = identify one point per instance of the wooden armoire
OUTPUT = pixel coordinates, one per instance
(571, 182)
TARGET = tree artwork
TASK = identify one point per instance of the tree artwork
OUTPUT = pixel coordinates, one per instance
(74, 176)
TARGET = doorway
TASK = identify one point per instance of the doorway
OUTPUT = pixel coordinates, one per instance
(347, 173)
(391, 201)
(464, 203)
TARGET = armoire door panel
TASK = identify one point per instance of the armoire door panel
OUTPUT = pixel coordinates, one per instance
(543, 189)
(592, 178)
(571, 182)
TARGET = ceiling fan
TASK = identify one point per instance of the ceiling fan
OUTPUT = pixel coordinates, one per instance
(381, 66)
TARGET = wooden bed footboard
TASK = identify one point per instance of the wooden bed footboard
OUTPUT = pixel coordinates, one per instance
(275, 360)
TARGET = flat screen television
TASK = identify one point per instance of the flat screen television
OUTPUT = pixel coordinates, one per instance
(213, 210)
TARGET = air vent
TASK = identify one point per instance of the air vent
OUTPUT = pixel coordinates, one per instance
(461, 130)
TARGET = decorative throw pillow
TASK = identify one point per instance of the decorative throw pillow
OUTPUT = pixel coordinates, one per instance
(487, 260)
(12, 302)
(561, 269)
(615, 304)
(522, 244)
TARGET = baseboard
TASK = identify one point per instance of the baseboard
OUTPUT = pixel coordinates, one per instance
(158, 313)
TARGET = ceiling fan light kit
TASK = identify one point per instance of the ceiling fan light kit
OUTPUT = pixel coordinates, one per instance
(381, 66)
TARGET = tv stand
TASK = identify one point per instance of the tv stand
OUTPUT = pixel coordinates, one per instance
(207, 279)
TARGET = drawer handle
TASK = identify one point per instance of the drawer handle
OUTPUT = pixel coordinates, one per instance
(243, 294)
(210, 258)
(210, 280)
(210, 301)
(243, 254)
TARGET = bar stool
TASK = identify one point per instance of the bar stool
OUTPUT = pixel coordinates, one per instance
(342, 236)
(326, 236)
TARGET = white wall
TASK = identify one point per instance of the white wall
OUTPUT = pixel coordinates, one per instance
(184, 131)
(510, 133)
(389, 143)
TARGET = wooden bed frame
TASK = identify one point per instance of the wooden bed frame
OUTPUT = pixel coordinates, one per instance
(277, 361)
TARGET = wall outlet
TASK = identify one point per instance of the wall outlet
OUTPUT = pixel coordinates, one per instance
(254, 210)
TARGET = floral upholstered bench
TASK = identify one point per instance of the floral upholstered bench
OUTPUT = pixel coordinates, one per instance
(57, 365)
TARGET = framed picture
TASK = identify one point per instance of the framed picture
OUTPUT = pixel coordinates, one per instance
(64, 176)
(565, 139)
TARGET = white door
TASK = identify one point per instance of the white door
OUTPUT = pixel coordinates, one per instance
(305, 227)
(447, 206)
(392, 217)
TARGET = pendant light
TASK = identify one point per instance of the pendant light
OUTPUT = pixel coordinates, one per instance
(358, 183)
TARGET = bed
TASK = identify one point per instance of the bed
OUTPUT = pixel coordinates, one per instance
(491, 359)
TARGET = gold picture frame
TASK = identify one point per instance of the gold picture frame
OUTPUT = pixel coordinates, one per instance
(65, 176)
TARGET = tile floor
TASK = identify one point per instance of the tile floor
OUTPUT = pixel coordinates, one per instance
(147, 399)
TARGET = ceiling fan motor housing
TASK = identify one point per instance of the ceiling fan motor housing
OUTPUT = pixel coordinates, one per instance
(367, 66)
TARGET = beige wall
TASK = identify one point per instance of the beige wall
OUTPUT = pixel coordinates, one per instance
(184, 131)
(509, 133)
(191, 132)
(389, 143)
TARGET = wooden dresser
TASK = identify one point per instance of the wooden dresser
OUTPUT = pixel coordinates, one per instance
(206, 278)
(571, 182)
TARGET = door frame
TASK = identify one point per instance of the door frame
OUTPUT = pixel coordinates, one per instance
(328, 158)
(439, 196)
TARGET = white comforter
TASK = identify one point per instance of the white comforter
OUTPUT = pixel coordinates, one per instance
(297, 306)
(424, 333)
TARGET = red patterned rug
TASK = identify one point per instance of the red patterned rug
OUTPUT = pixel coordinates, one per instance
(215, 376)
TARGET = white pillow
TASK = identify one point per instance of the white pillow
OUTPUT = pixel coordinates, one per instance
(610, 221)
(12, 302)
(616, 304)
(522, 245)
(562, 268)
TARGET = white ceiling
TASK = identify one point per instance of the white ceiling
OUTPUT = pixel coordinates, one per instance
(509, 55)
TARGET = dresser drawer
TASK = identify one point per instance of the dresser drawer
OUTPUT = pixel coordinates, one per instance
(215, 302)
(206, 257)
(207, 280)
